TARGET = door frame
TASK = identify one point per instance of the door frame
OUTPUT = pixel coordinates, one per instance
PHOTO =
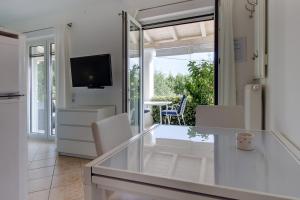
(46, 42)
(186, 20)
(125, 43)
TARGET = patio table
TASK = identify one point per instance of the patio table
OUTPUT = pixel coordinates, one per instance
(160, 104)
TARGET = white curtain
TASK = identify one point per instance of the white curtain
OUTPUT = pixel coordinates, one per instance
(63, 70)
(227, 72)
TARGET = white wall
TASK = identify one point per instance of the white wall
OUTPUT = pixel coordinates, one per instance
(97, 29)
(243, 28)
(283, 93)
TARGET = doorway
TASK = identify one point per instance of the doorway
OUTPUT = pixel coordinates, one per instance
(192, 41)
(42, 89)
(179, 61)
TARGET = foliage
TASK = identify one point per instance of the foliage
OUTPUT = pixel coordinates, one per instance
(134, 73)
(201, 83)
(192, 133)
(198, 85)
(169, 85)
(41, 81)
(134, 93)
(162, 85)
(178, 83)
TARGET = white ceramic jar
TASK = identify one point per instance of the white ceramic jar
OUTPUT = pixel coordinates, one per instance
(244, 141)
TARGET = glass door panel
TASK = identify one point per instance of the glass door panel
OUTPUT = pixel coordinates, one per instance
(43, 90)
(38, 90)
(52, 90)
(133, 73)
(134, 76)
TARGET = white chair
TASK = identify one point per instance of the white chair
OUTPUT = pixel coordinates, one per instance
(111, 132)
(220, 116)
(108, 134)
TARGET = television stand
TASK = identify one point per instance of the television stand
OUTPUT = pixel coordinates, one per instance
(74, 132)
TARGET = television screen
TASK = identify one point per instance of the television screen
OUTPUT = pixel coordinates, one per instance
(91, 71)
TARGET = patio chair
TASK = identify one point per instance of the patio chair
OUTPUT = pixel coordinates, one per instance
(176, 111)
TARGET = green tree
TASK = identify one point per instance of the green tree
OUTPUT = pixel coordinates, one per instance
(134, 74)
(178, 84)
(41, 81)
(200, 85)
(162, 86)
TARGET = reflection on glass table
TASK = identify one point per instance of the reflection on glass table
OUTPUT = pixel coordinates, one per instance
(205, 161)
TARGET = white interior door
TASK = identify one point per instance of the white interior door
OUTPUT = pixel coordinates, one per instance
(133, 72)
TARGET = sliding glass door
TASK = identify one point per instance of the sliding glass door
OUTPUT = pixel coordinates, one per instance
(133, 70)
(42, 89)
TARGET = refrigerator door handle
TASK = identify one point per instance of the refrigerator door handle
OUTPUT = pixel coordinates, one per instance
(11, 96)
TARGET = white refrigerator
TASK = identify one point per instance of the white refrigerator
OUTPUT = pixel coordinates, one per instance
(13, 133)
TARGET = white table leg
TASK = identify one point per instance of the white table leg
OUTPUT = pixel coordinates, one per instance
(91, 192)
(167, 107)
(160, 114)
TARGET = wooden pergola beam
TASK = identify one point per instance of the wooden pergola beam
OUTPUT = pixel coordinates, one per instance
(133, 38)
(147, 37)
(174, 33)
(203, 29)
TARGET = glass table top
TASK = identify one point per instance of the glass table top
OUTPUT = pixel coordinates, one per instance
(209, 156)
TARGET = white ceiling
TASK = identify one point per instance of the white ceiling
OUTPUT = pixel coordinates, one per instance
(14, 10)
(140, 4)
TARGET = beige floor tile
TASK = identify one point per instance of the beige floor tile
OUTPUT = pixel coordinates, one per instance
(66, 169)
(43, 156)
(40, 173)
(42, 163)
(65, 160)
(66, 179)
(41, 195)
(40, 184)
(70, 192)
(84, 162)
(46, 167)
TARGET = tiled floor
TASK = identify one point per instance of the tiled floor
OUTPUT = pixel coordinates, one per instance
(53, 177)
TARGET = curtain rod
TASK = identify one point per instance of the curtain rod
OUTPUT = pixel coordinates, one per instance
(42, 29)
(169, 4)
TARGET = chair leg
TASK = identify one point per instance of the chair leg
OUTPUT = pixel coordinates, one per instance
(169, 121)
(178, 120)
(183, 119)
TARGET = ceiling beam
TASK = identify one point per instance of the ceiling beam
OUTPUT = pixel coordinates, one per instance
(209, 40)
(147, 37)
(133, 38)
(165, 41)
(174, 33)
(203, 29)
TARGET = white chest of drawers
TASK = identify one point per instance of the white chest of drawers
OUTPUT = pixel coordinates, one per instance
(74, 135)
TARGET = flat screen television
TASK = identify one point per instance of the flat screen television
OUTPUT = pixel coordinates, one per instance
(91, 71)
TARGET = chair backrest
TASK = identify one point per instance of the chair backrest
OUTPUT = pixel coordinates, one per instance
(111, 132)
(220, 116)
(182, 105)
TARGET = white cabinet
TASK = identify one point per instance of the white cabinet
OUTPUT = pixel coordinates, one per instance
(74, 134)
